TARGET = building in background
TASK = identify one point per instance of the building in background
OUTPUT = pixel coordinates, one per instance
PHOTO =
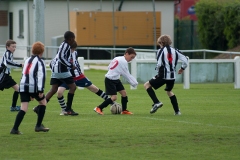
(16, 18)
(185, 9)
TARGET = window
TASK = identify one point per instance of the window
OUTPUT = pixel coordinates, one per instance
(21, 24)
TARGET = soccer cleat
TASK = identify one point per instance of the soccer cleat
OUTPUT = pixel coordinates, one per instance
(126, 112)
(41, 129)
(12, 109)
(63, 113)
(17, 108)
(178, 113)
(155, 107)
(13, 131)
(71, 112)
(36, 109)
(98, 110)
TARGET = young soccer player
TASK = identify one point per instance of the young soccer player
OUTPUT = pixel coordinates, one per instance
(80, 80)
(60, 72)
(32, 86)
(113, 84)
(167, 58)
(6, 80)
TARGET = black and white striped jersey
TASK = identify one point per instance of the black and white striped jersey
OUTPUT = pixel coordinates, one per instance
(33, 75)
(73, 59)
(167, 59)
(60, 62)
(6, 64)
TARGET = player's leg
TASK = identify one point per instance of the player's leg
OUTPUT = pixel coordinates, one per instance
(97, 91)
(54, 82)
(155, 83)
(124, 101)
(51, 92)
(10, 83)
(72, 87)
(110, 90)
(41, 112)
(61, 99)
(171, 95)
(25, 98)
(14, 106)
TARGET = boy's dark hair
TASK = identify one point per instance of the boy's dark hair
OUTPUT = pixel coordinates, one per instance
(68, 35)
(37, 48)
(9, 42)
(130, 50)
(74, 45)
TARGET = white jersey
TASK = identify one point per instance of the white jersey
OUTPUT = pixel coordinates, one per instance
(119, 67)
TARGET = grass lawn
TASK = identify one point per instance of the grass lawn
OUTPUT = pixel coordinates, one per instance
(208, 129)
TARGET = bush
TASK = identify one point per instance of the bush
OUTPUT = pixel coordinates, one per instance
(211, 25)
(232, 23)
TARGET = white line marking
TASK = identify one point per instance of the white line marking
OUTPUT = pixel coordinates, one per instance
(194, 123)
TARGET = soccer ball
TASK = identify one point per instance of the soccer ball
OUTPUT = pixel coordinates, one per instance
(116, 108)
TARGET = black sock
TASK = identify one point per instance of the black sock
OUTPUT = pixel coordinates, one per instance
(174, 103)
(152, 95)
(105, 103)
(41, 113)
(124, 101)
(102, 94)
(69, 101)
(19, 119)
(15, 98)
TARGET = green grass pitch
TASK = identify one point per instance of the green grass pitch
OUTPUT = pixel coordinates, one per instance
(208, 129)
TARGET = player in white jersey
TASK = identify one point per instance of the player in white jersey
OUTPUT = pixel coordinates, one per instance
(6, 81)
(167, 58)
(32, 86)
(80, 80)
(118, 67)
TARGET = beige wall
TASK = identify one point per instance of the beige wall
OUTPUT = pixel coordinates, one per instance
(56, 16)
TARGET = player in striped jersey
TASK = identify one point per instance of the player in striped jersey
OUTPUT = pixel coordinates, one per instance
(32, 86)
(118, 67)
(167, 58)
(80, 80)
(60, 72)
(6, 80)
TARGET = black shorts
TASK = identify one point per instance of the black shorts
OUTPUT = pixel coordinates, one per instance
(157, 82)
(7, 82)
(68, 80)
(25, 96)
(113, 86)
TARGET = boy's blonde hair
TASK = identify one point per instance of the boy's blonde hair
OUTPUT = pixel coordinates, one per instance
(37, 48)
(164, 40)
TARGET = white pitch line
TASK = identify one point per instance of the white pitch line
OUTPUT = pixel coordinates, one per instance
(194, 123)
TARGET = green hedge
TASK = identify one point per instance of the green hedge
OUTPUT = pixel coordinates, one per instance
(218, 23)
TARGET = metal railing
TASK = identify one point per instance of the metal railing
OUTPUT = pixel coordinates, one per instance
(50, 51)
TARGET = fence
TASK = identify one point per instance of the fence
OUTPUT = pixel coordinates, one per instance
(50, 52)
(142, 66)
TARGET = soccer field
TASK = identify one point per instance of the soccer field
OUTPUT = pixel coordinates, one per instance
(208, 129)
